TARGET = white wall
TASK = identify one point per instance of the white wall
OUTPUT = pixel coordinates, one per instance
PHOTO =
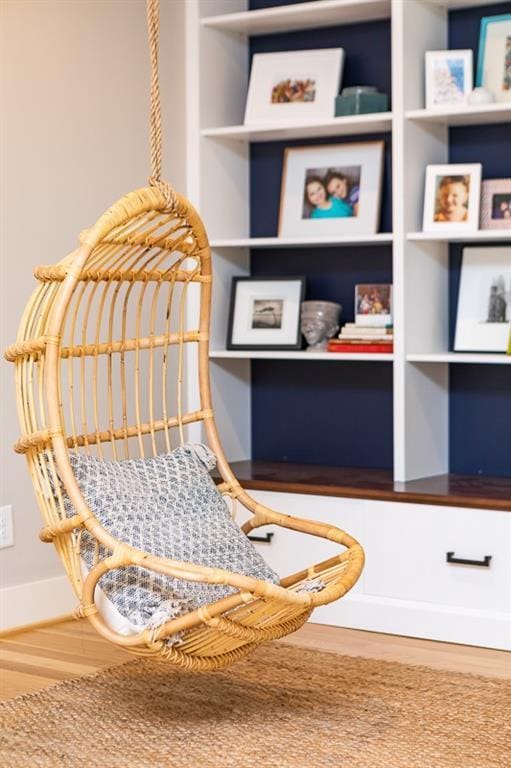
(74, 138)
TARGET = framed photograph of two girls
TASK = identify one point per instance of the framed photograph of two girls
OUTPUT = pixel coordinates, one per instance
(332, 189)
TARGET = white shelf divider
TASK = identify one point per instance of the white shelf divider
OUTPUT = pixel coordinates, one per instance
(462, 357)
(332, 357)
(382, 238)
(375, 122)
(289, 18)
(499, 112)
(480, 235)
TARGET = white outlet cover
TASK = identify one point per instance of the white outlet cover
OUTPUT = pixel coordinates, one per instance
(6, 527)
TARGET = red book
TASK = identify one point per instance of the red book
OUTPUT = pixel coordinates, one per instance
(336, 347)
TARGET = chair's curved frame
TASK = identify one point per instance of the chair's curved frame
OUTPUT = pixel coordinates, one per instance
(211, 637)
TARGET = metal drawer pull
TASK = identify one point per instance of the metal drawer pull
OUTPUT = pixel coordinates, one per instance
(485, 563)
(265, 539)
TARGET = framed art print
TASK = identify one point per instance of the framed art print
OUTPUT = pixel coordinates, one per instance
(451, 198)
(265, 313)
(332, 189)
(494, 56)
(484, 300)
(293, 86)
(496, 204)
(448, 78)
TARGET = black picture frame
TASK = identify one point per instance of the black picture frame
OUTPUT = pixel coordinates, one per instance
(294, 344)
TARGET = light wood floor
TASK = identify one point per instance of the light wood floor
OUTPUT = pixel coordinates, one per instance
(37, 658)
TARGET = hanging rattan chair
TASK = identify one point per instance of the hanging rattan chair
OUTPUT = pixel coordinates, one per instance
(102, 354)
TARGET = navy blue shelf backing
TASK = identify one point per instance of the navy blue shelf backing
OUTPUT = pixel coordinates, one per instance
(331, 273)
(338, 414)
(366, 45)
(341, 413)
(335, 413)
(266, 162)
(359, 68)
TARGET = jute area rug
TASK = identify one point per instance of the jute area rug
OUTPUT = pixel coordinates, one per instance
(284, 707)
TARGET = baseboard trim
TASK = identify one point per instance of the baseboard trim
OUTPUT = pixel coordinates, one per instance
(429, 621)
(35, 603)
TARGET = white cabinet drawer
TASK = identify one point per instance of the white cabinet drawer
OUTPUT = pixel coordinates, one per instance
(406, 547)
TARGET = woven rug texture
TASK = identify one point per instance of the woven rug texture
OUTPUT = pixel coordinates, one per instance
(283, 707)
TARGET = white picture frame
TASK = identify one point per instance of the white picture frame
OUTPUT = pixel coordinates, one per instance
(373, 305)
(494, 55)
(264, 313)
(349, 178)
(496, 204)
(305, 84)
(484, 295)
(451, 198)
(449, 78)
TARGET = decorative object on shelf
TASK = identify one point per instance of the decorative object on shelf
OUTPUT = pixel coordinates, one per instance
(480, 96)
(265, 313)
(373, 305)
(319, 322)
(496, 204)
(372, 331)
(360, 100)
(449, 78)
(484, 300)
(333, 189)
(293, 86)
(451, 198)
(355, 337)
(494, 56)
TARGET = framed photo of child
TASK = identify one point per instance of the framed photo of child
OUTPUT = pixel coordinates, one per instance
(451, 198)
(330, 190)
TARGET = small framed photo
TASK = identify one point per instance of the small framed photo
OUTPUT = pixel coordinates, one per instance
(334, 189)
(449, 78)
(265, 313)
(496, 204)
(293, 86)
(373, 304)
(451, 198)
(484, 300)
(494, 56)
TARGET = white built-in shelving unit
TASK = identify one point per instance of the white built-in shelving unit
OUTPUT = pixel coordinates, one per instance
(378, 122)
(470, 115)
(384, 238)
(218, 162)
(225, 354)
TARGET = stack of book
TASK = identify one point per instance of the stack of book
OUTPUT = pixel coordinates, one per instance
(363, 338)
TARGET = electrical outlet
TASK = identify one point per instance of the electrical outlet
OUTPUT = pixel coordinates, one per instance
(6, 527)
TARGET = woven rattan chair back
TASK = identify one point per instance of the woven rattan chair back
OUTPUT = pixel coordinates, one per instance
(102, 357)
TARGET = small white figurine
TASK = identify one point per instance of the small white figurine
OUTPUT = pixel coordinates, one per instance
(479, 96)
